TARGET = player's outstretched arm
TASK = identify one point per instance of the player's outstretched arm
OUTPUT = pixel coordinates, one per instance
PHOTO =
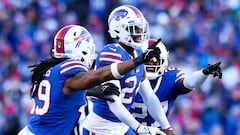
(197, 78)
(113, 71)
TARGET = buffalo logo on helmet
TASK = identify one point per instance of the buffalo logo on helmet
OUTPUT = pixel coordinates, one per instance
(83, 36)
(118, 15)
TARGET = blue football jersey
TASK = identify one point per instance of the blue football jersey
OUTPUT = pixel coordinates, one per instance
(166, 91)
(55, 113)
(129, 83)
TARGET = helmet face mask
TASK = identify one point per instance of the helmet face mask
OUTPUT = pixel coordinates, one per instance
(128, 25)
(75, 42)
(137, 32)
(156, 69)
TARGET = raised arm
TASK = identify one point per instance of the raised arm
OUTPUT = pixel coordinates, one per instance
(197, 78)
(113, 71)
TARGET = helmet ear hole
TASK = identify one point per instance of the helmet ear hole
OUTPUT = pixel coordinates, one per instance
(82, 60)
(117, 31)
(117, 37)
(84, 53)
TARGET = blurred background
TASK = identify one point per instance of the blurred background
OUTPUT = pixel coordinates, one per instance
(196, 32)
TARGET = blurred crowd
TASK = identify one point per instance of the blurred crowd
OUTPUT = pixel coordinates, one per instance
(196, 32)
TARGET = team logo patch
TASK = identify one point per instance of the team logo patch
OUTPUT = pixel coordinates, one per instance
(59, 43)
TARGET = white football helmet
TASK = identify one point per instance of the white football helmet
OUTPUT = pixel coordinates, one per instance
(74, 41)
(127, 24)
(155, 69)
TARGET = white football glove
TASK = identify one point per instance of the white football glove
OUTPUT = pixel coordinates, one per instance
(147, 130)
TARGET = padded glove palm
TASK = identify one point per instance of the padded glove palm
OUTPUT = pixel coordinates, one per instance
(104, 91)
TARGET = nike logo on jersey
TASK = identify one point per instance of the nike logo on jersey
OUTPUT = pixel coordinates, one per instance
(113, 49)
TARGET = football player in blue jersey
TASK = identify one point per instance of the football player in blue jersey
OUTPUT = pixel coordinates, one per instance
(59, 83)
(130, 29)
(168, 83)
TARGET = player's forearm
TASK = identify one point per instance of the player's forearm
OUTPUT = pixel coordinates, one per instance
(158, 114)
(114, 71)
(117, 70)
(194, 80)
(123, 68)
(106, 73)
(156, 111)
(153, 104)
(122, 113)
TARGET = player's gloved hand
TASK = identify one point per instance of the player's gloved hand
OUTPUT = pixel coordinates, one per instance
(104, 91)
(213, 69)
(147, 130)
(151, 53)
(169, 131)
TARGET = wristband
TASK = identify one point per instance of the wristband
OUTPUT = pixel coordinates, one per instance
(138, 60)
(115, 72)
